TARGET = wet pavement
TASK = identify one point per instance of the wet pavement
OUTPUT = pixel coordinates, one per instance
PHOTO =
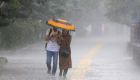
(92, 59)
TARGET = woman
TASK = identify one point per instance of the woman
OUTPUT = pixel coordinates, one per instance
(64, 41)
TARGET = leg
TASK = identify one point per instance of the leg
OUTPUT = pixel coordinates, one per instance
(65, 72)
(55, 58)
(48, 61)
(60, 74)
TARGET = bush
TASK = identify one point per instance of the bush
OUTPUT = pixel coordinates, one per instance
(3, 60)
(19, 34)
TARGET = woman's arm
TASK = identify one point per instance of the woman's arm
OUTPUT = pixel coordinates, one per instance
(60, 38)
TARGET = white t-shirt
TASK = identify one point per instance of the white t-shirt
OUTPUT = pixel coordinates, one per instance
(52, 43)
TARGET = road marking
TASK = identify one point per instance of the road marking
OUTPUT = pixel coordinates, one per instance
(84, 64)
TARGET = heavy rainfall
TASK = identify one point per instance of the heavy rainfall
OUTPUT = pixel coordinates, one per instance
(105, 44)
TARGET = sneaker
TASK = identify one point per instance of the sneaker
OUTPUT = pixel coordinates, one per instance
(64, 77)
(49, 73)
(53, 75)
(60, 74)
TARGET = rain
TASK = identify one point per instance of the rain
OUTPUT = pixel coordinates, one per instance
(105, 43)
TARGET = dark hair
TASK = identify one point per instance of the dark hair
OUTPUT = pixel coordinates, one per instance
(67, 33)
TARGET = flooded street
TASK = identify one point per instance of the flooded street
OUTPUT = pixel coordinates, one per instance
(98, 58)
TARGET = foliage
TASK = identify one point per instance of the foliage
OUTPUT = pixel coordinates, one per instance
(3, 60)
(121, 10)
(82, 13)
(13, 9)
(19, 22)
(15, 4)
(19, 33)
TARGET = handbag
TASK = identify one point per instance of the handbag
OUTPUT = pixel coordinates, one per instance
(65, 52)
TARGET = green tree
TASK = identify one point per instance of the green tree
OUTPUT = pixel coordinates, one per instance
(13, 9)
(82, 13)
(121, 10)
(24, 20)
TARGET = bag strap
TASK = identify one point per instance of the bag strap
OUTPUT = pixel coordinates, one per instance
(50, 32)
(48, 36)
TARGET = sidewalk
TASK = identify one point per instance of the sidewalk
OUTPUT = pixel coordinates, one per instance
(110, 62)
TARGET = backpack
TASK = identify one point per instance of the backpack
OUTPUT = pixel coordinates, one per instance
(48, 36)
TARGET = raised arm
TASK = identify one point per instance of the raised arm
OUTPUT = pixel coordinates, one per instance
(48, 37)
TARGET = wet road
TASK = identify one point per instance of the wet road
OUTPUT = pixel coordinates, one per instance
(92, 59)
